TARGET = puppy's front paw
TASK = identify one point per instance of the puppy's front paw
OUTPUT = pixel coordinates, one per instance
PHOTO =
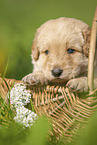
(35, 78)
(78, 84)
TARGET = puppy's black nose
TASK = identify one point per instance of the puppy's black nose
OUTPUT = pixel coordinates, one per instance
(57, 72)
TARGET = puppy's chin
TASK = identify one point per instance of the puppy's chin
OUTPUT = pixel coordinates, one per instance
(58, 82)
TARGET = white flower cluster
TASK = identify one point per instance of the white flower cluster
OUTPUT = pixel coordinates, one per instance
(19, 97)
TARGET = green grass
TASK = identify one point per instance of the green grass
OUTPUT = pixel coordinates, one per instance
(12, 133)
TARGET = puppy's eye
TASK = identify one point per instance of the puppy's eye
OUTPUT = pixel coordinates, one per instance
(70, 50)
(46, 52)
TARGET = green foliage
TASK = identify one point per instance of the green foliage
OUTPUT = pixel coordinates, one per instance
(89, 134)
(6, 113)
(12, 135)
(15, 134)
(38, 134)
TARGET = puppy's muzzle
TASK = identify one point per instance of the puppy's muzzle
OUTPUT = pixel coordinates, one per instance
(57, 72)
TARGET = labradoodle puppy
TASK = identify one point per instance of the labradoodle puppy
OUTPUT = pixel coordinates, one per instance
(60, 54)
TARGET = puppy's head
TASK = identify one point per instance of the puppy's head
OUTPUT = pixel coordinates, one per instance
(60, 49)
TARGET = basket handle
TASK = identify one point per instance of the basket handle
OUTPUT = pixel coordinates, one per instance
(92, 53)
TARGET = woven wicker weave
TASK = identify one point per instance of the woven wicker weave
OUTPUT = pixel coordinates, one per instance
(66, 109)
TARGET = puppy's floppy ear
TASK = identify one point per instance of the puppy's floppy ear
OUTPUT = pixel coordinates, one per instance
(86, 34)
(35, 51)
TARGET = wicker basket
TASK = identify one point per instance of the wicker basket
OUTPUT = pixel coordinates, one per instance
(66, 109)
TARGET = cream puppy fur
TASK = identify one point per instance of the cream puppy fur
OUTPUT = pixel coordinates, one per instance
(60, 54)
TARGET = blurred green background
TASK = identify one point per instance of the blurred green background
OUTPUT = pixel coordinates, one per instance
(20, 18)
